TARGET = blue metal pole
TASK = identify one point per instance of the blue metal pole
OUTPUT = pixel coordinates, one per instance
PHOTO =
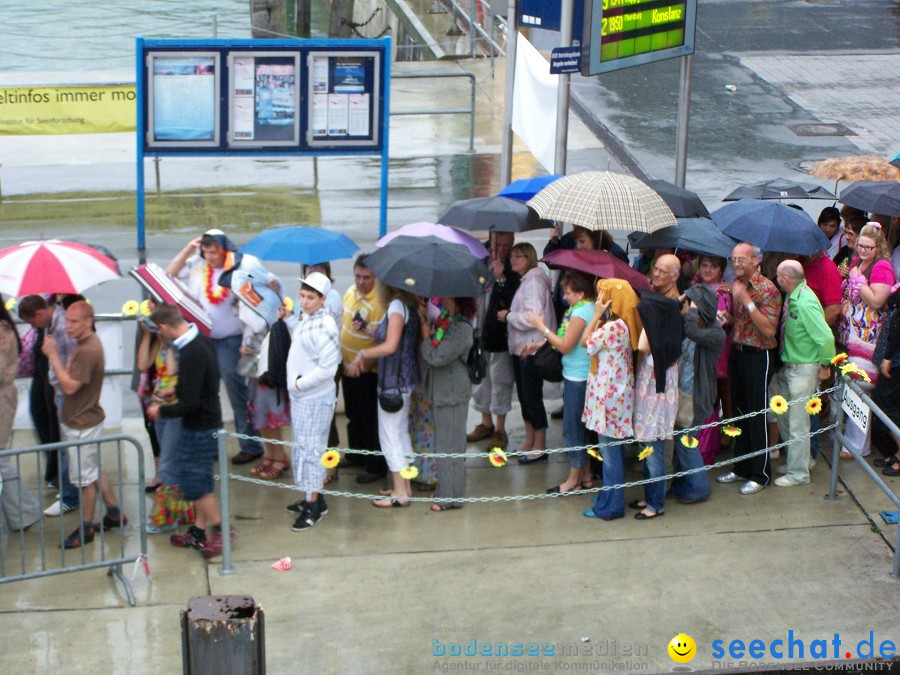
(139, 134)
(385, 138)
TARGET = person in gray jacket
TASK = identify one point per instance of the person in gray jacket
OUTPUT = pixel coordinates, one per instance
(704, 339)
(445, 346)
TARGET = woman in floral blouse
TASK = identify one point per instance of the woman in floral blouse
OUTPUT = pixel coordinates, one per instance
(611, 338)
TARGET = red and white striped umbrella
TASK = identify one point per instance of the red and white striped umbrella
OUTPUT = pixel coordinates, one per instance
(53, 266)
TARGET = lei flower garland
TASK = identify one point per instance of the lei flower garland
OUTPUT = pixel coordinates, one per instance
(564, 324)
(440, 326)
(331, 458)
(497, 457)
(409, 473)
(814, 405)
(214, 293)
(778, 404)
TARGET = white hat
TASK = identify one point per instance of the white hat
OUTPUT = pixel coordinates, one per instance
(318, 281)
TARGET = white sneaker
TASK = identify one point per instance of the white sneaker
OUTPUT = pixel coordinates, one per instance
(57, 508)
(782, 468)
(786, 481)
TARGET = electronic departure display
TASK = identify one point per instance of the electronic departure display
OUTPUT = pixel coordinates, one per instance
(623, 33)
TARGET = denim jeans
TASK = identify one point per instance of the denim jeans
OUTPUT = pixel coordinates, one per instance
(654, 466)
(168, 431)
(68, 493)
(814, 441)
(227, 356)
(695, 486)
(611, 503)
(574, 431)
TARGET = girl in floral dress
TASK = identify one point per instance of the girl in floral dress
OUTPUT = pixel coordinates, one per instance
(611, 338)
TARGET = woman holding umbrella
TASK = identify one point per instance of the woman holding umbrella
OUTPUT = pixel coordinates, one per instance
(534, 296)
(398, 373)
(445, 346)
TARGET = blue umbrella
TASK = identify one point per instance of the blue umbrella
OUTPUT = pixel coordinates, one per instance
(304, 245)
(525, 188)
(771, 225)
(698, 235)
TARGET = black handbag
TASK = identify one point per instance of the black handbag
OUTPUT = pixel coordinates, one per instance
(548, 363)
(390, 399)
(475, 362)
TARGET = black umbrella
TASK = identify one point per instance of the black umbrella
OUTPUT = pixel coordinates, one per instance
(499, 214)
(779, 189)
(874, 196)
(699, 235)
(429, 267)
(684, 203)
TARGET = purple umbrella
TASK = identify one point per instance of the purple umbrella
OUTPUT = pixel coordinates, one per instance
(450, 234)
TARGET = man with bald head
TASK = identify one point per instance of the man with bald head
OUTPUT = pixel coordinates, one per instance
(81, 417)
(756, 307)
(807, 347)
(664, 278)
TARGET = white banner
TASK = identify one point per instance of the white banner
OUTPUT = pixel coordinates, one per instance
(534, 103)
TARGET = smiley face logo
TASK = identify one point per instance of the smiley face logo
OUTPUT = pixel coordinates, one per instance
(682, 648)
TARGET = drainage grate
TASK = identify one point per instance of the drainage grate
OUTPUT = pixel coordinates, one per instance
(821, 129)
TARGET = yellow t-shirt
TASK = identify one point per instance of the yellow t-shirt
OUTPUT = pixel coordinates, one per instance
(369, 309)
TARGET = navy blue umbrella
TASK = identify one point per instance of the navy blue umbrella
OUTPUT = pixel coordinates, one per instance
(499, 214)
(304, 245)
(771, 225)
(525, 188)
(698, 235)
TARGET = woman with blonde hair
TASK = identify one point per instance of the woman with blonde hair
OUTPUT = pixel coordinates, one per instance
(611, 339)
(864, 294)
(533, 295)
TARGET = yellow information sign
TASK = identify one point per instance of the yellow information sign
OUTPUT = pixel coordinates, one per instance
(67, 109)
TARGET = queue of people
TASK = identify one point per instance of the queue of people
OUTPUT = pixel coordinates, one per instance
(713, 338)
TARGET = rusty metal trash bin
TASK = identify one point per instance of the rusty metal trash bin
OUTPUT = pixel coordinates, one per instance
(223, 634)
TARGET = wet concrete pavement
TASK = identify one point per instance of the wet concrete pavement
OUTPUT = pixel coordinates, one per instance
(371, 590)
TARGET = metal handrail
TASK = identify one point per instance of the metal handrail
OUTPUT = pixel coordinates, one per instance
(114, 564)
(841, 441)
(462, 111)
(470, 19)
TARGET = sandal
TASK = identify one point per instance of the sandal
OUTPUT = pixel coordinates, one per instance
(262, 466)
(274, 469)
(437, 508)
(390, 503)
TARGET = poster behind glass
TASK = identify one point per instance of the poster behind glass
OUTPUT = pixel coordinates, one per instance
(343, 100)
(264, 99)
(183, 102)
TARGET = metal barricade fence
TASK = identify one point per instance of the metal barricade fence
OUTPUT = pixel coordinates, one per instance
(35, 549)
(840, 440)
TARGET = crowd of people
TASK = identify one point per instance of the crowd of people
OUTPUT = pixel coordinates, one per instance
(714, 338)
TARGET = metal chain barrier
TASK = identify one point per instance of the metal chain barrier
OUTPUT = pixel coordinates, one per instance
(524, 498)
(516, 453)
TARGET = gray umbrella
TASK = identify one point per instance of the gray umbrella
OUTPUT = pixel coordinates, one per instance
(429, 267)
(499, 214)
(874, 196)
(779, 189)
(684, 203)
(699, 235)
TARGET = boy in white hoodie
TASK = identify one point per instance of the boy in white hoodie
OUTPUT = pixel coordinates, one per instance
(311, 365)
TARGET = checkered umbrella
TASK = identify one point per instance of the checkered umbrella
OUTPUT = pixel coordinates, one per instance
(602, 200)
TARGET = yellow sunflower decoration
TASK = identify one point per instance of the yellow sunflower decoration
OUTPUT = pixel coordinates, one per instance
(331, 458)
(596, 455)
(778, 404)
(497, 457)
(814, 405)
(130, 308)
(289, 304)
(840, 358)
(409, 473)
(731, 431)
(10, 303)
(145, 308)
(689, 442)
(855, 372)
(645, 453)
